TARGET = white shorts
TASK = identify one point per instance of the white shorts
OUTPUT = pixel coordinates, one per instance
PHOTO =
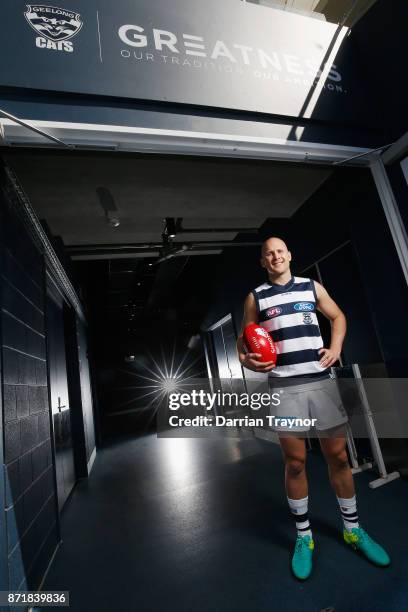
(315, 404)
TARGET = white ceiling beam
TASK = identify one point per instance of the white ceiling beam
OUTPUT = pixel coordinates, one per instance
(151, 140)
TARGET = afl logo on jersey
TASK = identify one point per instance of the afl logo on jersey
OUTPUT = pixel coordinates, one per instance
(302, 306)
(273, 312)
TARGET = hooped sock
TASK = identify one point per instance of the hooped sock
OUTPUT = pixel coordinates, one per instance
(348, 509)
(299, 508)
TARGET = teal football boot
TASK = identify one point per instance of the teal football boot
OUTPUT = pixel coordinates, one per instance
(302, 557)
(358, 539)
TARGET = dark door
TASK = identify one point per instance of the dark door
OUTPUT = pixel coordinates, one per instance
(230, 378)
(57, 367)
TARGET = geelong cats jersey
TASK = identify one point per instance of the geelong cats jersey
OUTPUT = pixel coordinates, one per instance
(288, 313)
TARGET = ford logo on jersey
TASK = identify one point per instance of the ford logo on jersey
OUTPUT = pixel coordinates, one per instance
(304, 306)
(273, 312)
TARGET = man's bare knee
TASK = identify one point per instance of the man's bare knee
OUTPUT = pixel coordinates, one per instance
(338, 460)
(295, 467)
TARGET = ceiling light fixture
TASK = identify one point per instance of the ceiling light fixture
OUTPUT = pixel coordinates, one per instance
(113, 221)
(170, 229)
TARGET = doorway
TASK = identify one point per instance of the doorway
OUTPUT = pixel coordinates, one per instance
(59, 398)
(226, 367)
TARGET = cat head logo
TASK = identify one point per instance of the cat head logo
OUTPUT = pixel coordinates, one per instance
(307, 318)
(52, 22)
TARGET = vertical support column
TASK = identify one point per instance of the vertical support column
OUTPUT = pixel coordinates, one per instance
(372, 434)
(392, 214)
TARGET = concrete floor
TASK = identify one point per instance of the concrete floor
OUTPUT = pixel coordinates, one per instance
(174, 525)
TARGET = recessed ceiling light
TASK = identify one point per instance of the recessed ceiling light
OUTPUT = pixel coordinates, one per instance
(113, 221)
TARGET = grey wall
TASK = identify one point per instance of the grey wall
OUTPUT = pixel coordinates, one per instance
(30, 506)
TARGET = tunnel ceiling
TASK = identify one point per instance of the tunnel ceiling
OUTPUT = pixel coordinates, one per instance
(127, 294)
(215, 193)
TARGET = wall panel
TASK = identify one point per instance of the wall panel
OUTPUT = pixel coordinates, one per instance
(29, 506)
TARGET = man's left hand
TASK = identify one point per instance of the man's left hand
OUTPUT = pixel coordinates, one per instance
(328, 357)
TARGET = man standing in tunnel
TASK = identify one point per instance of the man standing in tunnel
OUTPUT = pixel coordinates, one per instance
(285, 305)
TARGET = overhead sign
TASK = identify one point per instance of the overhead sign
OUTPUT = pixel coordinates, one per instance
(52, 23)
(228, 54)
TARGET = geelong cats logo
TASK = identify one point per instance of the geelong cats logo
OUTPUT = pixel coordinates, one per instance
(53, 25)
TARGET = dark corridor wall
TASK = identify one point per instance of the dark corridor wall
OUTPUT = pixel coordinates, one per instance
(30, 510)
(347, 207)
(378, 40)
(29, 523)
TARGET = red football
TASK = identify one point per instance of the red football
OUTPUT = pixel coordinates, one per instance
(257, 340)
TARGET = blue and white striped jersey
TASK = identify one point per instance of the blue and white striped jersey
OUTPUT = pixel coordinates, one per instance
(288, 313)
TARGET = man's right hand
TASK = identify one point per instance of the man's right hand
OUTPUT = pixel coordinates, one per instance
(251, 361)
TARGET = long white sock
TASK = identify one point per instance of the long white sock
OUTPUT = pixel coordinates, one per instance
(348, 509)
(299, 507)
